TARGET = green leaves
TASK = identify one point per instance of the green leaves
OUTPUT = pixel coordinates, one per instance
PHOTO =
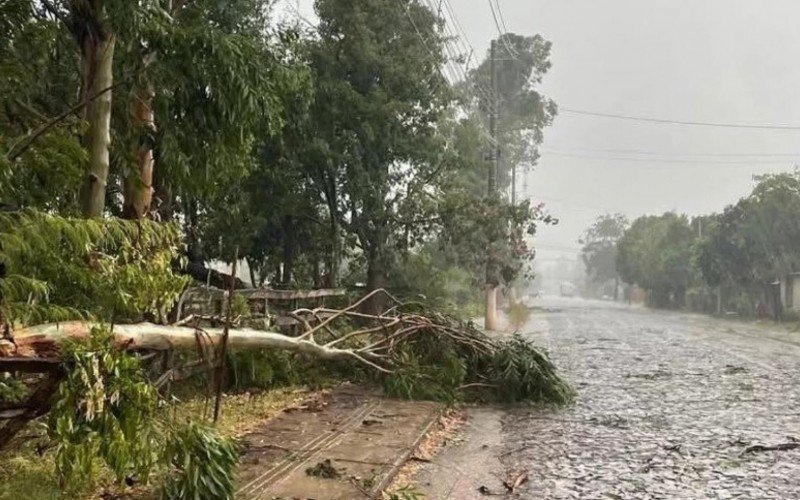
(60, 268)
(104, 413)
(201, 464)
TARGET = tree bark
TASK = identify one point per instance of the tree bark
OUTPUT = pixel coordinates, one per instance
(490, 319)
(41, 340)
(335, 257)
(288, 251)
(376, 278)
(98, 61)
(138, 189)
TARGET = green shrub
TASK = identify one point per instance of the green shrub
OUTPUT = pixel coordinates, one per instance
(201, 464)
(104, 414)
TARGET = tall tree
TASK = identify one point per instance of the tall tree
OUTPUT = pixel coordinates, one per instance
(522, 111)
(381, 93)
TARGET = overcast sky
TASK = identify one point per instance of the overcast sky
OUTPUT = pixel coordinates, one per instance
(729, 61)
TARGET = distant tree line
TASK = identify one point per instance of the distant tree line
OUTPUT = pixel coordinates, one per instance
(742, 260)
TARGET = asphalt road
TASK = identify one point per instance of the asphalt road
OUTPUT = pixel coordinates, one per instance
(670, 406)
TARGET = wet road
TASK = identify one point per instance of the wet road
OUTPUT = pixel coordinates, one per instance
(670, 406)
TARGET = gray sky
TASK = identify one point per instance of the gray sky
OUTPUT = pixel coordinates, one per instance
(733, 61)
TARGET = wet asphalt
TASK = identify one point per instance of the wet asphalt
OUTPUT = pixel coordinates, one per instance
(670, 406)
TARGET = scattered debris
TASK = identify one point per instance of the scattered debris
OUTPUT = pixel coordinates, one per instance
(516, 481)
(733, 370)
(324, 469)
(658, 374)
(613, 420)
(483, 490)
(759, 448)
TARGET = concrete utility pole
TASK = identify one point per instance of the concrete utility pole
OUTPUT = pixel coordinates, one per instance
(490, 318)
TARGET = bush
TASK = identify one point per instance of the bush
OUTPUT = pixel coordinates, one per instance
(104, 413)
(201, 464)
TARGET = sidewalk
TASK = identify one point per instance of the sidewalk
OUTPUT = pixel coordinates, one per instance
(347, 444)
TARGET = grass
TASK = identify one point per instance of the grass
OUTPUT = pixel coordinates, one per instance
(27, 475)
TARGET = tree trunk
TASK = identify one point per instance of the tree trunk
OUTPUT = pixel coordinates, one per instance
(288, 251)
(98, 75)
(335, 257)
(616, 288)
(42, 340)
(376, 278)
(138, 190)
(490, 320)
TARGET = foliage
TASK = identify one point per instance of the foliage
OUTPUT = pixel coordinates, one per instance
(268, 369)
(477, 233)
(656, 254)
(430, 275)
(520, 372)
(201, 463)
(104, 411)
(600, 246)
(523, 112)
(59, 267)
(406, 492)
(436, 365)
(379, 96)
(12, 390)
(37, 76)
(755, 241)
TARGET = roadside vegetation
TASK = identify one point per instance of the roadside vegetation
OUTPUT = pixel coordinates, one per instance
(741, 261)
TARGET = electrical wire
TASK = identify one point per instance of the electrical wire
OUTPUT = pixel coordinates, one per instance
(703, 155)
(663, 160)
(679, 122)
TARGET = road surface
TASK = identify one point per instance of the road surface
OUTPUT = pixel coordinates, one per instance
(670, 406)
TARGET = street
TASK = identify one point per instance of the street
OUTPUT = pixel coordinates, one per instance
(669, 405)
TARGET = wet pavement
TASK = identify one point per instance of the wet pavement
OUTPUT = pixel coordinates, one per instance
(670, 406)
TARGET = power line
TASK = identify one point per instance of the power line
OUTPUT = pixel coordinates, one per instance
(663, 160)
(679, 122)
(500, 30)
(702, 155)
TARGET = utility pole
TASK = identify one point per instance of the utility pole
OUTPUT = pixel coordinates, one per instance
(490, 317)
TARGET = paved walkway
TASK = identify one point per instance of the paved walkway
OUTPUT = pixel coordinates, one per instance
(343, 446)
(670, 406)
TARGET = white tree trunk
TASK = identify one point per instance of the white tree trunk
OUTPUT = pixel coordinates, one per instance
(43, 339)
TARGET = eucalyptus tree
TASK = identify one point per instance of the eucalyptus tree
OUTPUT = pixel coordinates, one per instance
(379, 97)
(522, 111)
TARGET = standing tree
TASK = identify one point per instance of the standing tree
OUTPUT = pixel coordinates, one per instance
(656, 254)
(753, 244)
(600, 249)
(505, 83)
(379, 98)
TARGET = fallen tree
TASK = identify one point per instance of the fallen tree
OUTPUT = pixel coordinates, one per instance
(418, 351)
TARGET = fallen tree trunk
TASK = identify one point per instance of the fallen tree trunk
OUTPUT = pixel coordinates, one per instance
(42, 340)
